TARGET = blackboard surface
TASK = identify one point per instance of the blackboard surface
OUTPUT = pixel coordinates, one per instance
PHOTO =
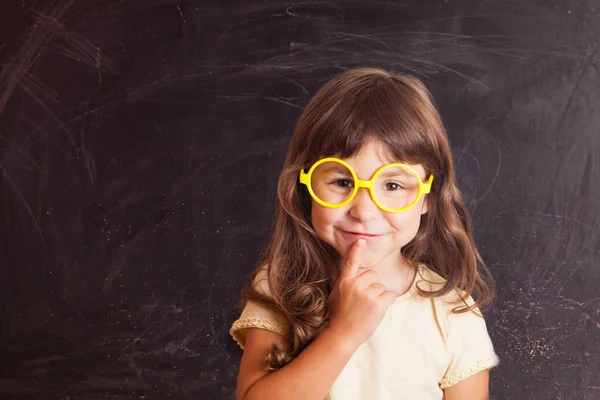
(141, 140)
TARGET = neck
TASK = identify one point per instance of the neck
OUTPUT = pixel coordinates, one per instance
(396, 273)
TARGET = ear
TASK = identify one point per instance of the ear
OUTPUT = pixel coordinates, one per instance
(425, 206)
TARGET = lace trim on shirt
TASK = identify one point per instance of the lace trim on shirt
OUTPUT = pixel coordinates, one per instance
(466, 373)
(256, 322)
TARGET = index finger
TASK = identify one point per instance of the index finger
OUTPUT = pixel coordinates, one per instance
(350, 268)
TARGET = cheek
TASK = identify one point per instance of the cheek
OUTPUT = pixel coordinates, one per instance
(406, 224)
(323, 219)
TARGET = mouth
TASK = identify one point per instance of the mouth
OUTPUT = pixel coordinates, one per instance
(359, 235)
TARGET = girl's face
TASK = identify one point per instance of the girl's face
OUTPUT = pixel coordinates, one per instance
(385, 233)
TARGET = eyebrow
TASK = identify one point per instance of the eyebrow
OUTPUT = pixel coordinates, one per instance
(404, 174)
(337, 168)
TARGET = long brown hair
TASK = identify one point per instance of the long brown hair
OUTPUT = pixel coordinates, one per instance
(356, 106)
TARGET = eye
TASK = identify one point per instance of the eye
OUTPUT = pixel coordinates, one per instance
(393, 186)
(345, 183)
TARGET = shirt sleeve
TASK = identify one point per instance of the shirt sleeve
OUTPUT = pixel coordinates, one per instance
(255, 315)
(470, 345)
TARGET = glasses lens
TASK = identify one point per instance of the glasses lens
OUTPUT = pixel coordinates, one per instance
(396, 187)
(332, 182)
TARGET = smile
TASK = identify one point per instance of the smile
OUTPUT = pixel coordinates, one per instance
(359, 235)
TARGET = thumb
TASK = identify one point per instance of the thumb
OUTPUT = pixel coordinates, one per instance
(350, 268)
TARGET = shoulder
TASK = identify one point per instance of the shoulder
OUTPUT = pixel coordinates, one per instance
(261, 281)
(257, 313)
(430, 281)
(455, 325)
(445, 306)
(465, 334)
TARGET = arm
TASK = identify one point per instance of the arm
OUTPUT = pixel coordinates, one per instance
(358, 304)
(473, 388)
(308, 376)
(467, 377)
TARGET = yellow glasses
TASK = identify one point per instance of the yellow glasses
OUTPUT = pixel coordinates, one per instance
(394, 187)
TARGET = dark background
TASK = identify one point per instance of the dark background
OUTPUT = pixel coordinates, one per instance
(141, 140)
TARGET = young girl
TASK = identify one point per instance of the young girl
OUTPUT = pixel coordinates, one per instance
(366, 288)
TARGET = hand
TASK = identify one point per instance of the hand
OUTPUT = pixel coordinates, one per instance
(358, 302)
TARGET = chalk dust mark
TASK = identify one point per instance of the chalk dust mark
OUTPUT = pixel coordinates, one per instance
(497, 173)
(563, 116)
(24, 202)
(11, 75)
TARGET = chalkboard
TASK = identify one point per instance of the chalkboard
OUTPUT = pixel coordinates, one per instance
(141, 141)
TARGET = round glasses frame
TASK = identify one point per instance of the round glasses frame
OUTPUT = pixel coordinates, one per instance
(305, 178)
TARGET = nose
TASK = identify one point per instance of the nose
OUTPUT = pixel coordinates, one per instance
(362, 206)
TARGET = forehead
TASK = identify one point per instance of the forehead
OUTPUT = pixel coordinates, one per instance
(374, 155)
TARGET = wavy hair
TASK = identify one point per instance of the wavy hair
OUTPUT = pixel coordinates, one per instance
(352, 108)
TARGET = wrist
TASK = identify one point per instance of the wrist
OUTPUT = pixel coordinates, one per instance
(339, 340)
